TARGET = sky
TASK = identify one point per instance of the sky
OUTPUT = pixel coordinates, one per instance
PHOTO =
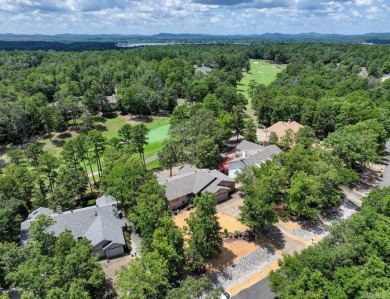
(193, 16)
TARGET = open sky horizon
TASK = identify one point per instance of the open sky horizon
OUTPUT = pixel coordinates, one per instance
(217, 17)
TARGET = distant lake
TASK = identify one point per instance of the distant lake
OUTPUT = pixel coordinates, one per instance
(135, 45)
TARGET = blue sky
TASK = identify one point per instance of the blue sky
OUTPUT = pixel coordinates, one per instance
(194, 16)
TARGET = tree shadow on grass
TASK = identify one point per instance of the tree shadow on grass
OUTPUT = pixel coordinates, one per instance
(142, 119)
(58, 143)
(101, 128)
(99, 119)
(65, 135)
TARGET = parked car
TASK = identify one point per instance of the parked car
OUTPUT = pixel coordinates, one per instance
(225, 295)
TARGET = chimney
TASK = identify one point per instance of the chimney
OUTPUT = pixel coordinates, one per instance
(59, 210)
(96, 213)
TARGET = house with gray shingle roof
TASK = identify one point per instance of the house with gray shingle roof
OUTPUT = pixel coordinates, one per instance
(111, 100)
(191, 181)
(203, 69)
(251, 155)
(101, 224)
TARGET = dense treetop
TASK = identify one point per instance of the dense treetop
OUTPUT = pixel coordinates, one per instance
(353, 262)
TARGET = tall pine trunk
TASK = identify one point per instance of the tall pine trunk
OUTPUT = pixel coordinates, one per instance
(86, 171)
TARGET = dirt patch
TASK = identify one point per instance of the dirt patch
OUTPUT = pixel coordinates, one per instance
(226, 221)
(377, 167)
(231, 223)
(289, 224)
(134, 120)
(180, 218)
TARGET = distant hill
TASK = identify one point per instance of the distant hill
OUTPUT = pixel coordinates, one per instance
(89, 42)
(174, 36)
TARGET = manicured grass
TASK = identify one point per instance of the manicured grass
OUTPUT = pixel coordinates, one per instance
(262, 72)
(153, 165)
(159, 128)
(158, 122)
(56, 144)
(110, 127)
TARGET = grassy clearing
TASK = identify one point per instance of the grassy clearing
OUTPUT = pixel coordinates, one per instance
(262, 72)
(159, 128)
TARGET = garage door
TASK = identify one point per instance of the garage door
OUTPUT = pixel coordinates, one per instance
(114, 251)
(222, 196)
(101, 253)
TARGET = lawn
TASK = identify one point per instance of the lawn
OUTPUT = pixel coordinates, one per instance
(159, 128)
(262, 72)
(156, 137)
(153, 165)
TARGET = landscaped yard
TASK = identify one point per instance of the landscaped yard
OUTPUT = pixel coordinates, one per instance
(262, 71)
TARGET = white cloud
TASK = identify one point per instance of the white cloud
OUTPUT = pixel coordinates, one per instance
(363, 2)
(355, 13)
(152, 16)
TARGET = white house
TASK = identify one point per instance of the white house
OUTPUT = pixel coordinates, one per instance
(251, 154)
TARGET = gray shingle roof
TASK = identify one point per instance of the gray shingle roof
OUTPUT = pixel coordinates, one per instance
(249, 146)
(193, 182)
(96, 223)
(111, 99)
(203, 69)
(260, 157)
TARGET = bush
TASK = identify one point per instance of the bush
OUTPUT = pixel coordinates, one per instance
(91, 202)
(127, 237)
(237, 234)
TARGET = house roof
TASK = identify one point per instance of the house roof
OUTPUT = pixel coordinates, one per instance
(203, 69)
(258, 158)
(100, 223)
(248, 146)
(281, 127)
(111, 99)
(192, 180)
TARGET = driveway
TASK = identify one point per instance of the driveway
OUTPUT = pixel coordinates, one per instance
(231, 206)
(260, 290)
(111, 266)
(385, 182)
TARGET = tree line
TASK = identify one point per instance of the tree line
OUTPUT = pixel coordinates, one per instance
(45, 91)
(353, 262)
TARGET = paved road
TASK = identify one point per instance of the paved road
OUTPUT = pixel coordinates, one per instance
(386, 174)
(151, 159)
(259, 290)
